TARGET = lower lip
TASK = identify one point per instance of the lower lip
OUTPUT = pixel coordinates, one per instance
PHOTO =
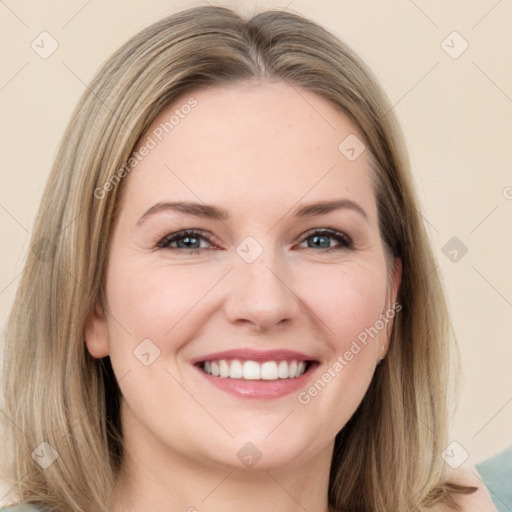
(263, 389)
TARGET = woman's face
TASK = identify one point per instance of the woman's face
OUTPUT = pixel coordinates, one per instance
(247, 244)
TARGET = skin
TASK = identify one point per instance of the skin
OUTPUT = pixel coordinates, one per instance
(479, 501)
(258, 150)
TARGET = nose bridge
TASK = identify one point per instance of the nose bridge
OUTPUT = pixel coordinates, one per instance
(263, 277)
(259, 291)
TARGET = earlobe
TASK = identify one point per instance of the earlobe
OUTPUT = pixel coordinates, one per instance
(96, 334)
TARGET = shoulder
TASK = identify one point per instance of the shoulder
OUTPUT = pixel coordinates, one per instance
(478, 501)
(496, 472)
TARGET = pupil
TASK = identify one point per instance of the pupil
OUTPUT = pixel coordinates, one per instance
(320, 241)
(188, 241)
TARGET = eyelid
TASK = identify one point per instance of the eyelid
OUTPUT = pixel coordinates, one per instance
(344, 240)
(347, 240)
(176, 235)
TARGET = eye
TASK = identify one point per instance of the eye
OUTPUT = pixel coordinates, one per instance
(188, 240)
(194, 241)
(322, 238)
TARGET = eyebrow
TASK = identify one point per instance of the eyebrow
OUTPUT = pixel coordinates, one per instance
(197, 209)
(213, 212)
(323, 207)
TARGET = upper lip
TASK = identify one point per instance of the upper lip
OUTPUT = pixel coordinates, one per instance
(247, 354)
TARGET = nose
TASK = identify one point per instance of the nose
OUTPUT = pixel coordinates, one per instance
(261, 295)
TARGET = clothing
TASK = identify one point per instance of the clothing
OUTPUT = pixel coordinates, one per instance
(496, 472)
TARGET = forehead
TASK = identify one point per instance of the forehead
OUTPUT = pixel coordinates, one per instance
(256, 141)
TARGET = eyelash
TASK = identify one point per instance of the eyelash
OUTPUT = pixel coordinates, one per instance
(345, 242)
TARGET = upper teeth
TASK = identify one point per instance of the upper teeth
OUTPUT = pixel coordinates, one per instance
(252, 370)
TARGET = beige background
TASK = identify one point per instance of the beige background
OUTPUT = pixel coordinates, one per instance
(456, 113)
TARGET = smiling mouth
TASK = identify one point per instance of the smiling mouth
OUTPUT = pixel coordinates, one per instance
(253, 370)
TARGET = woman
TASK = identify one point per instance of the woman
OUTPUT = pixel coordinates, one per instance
(231, 297)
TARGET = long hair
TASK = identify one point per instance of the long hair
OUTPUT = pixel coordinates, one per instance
(62, 406)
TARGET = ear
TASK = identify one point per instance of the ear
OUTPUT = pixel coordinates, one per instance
(396, 279)
(393, 287)
(96, 334)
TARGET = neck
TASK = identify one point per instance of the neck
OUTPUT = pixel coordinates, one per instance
(153, 477)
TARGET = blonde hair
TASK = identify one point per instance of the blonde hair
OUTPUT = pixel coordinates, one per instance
(388, 456)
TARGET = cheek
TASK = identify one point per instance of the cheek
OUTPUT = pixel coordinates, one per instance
(156, 303)
(349, 302)
(347, 299)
